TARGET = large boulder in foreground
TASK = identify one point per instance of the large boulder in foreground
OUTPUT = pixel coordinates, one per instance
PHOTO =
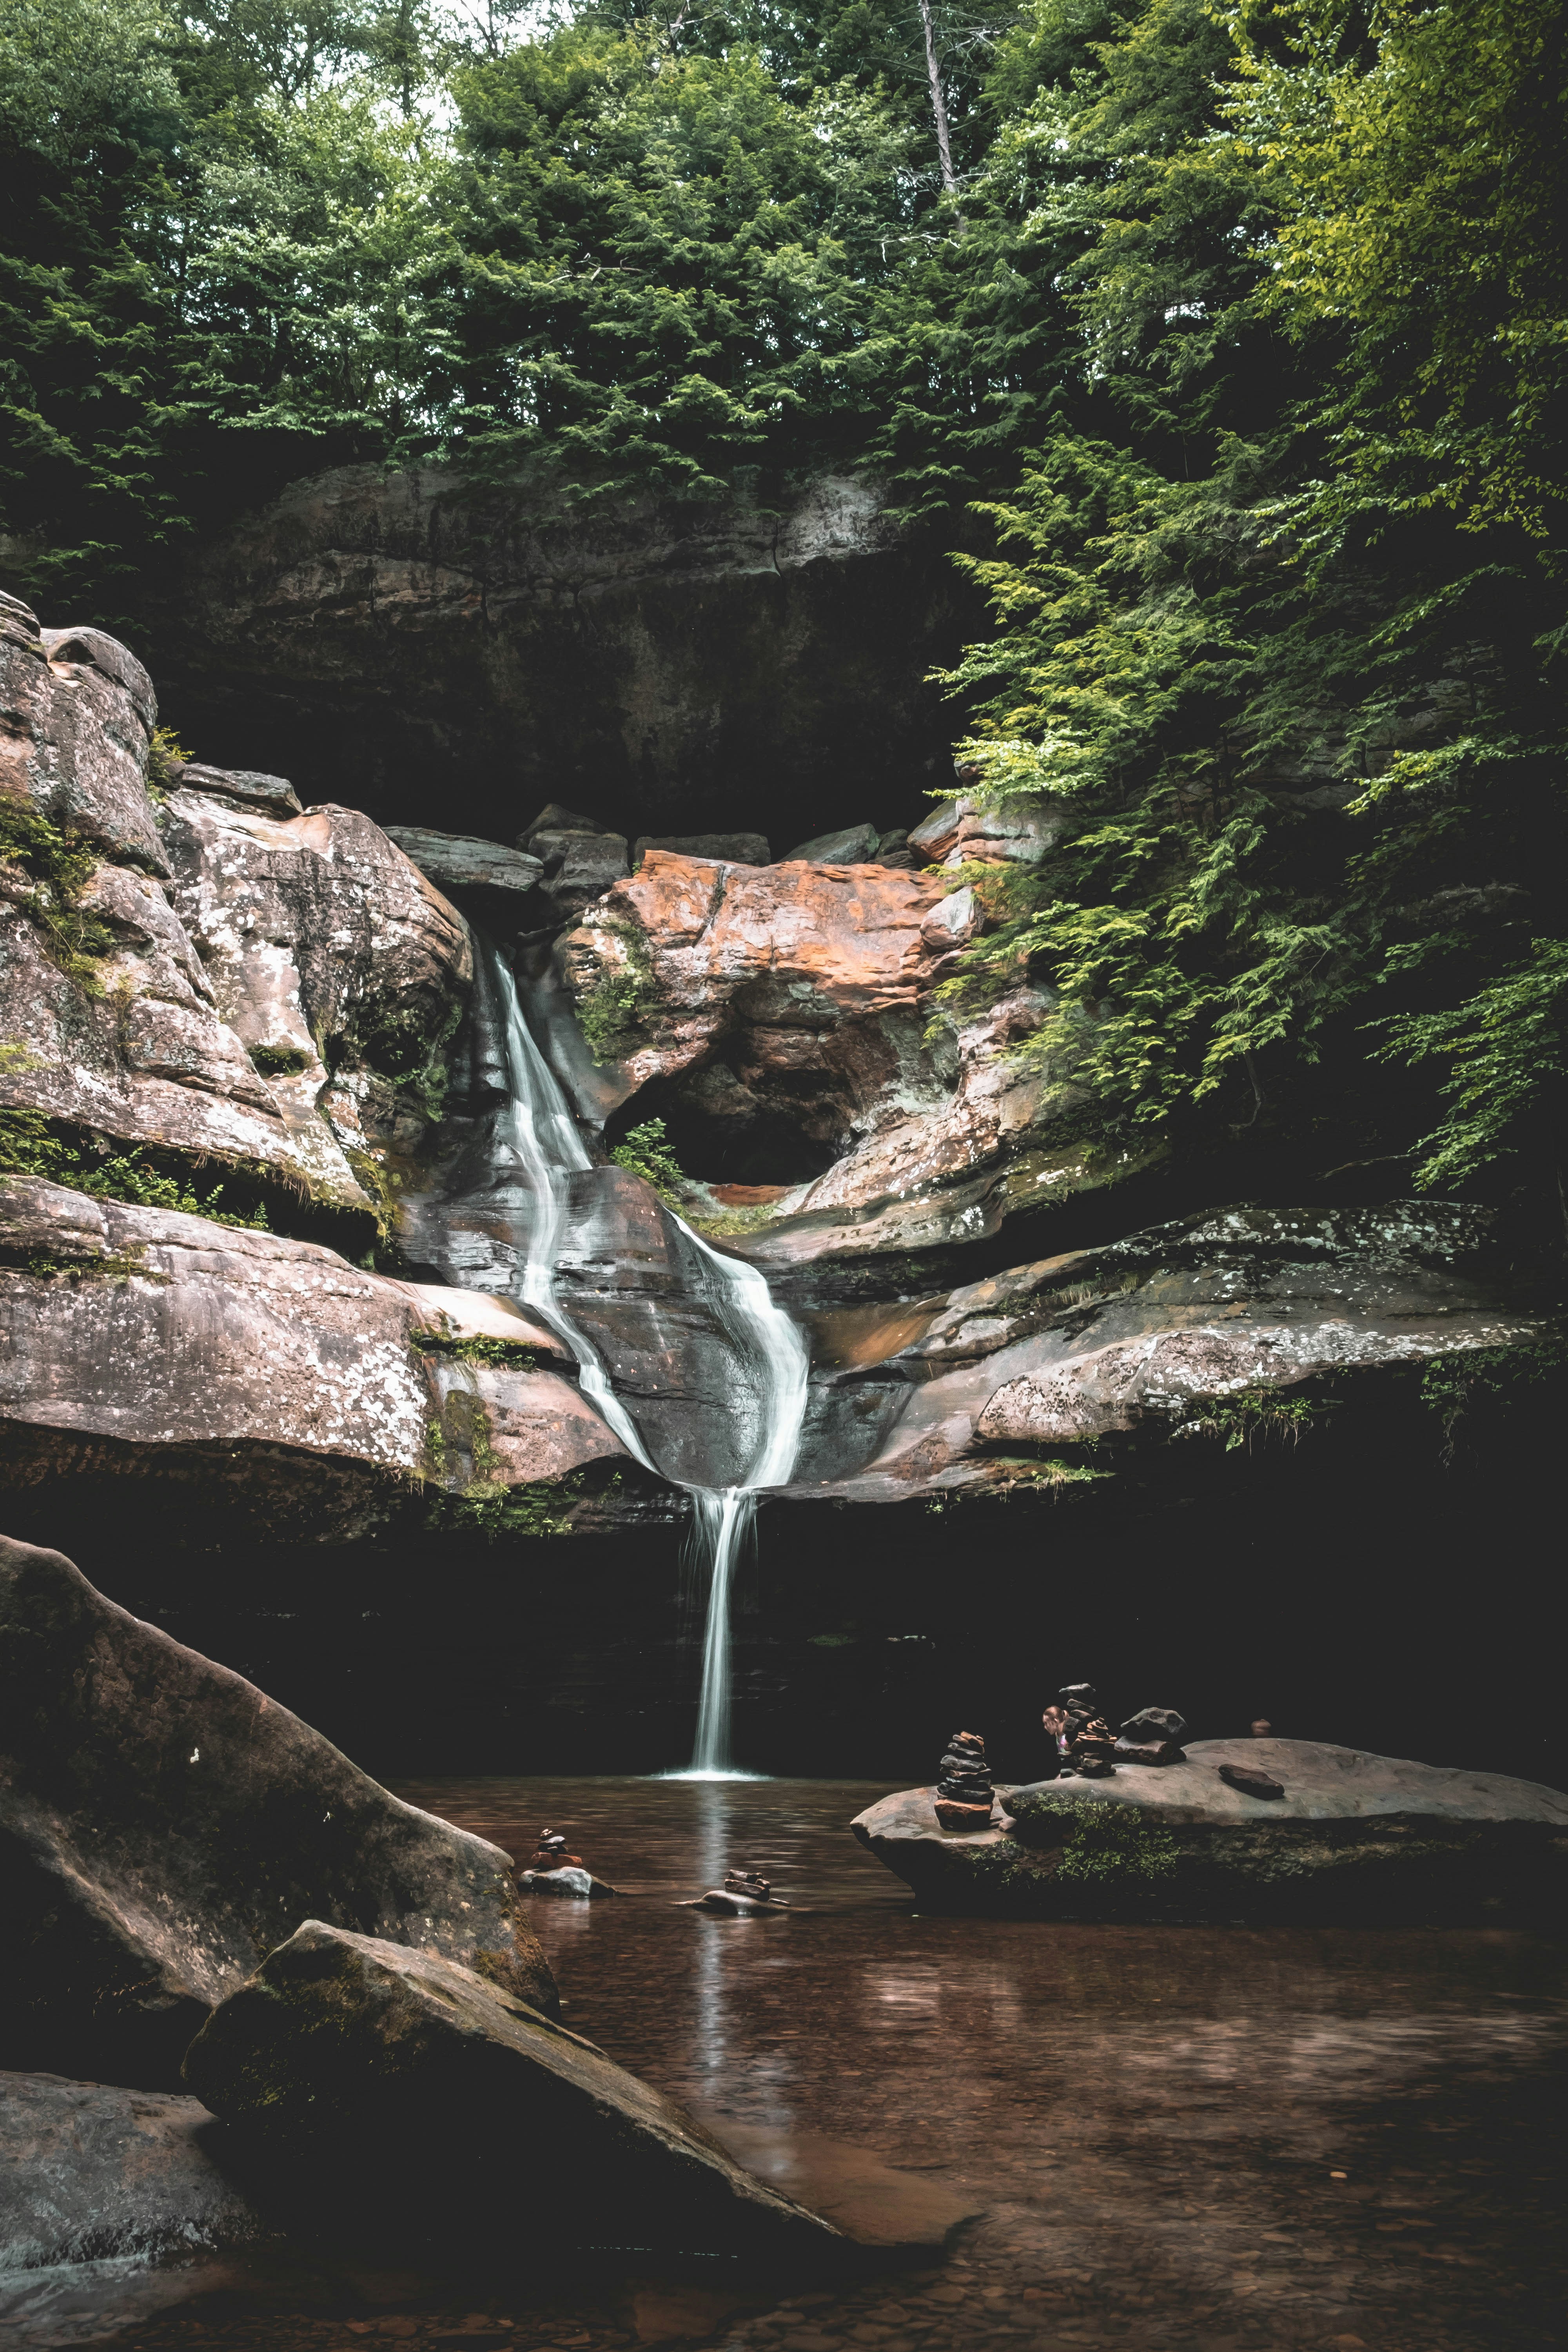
(1354, 1836)
(92, 2172)
(163, 1824)
(410, 2086)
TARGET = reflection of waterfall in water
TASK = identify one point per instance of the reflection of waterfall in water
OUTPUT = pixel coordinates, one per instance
(768, 1376)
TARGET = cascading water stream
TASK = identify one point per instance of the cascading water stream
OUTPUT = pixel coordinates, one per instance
(538, 1133)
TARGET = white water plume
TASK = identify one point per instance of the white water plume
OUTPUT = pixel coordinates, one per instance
(768, 1384)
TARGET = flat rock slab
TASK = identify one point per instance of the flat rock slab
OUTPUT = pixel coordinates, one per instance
(1355, 1836)
(163, 1823)
(410, 2088)
(457, 861)
(90, 2172)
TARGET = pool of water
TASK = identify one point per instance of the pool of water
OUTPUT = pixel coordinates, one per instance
(1226, 2138)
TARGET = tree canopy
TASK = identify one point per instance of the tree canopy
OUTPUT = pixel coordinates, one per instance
(1228, 358)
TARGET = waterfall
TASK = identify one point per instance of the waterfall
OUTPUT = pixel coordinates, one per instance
(539, 1136)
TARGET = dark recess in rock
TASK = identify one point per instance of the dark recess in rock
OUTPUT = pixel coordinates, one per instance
(401, 644)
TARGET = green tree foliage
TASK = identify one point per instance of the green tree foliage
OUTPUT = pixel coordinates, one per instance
(1231, 364)
(671, 266)
(1279, 607)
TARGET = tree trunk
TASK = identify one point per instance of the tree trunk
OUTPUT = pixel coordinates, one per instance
(938, 107)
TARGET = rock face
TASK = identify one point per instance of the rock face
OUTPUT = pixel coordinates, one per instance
(79, 714)
(1195, 1326)
(483, 653)
(236, 981)
(1355, 1836)
(90, 2173)
(148, 1342)
(778, 1020)
(402, 2075)
(163, 1824)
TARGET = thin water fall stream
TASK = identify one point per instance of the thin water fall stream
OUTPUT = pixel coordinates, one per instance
(537, 1136)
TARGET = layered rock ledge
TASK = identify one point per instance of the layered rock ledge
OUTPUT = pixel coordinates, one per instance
(1355, 1836)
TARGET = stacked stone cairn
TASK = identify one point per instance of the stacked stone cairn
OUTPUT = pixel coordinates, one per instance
(550, 1854)
(965, 1795)
(1084, 1742)
(752, 1883)
(1152, 1735)
(745, 1895)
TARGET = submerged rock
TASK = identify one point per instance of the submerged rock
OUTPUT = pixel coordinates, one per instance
(1353, 1836)
(92, 2172)
(413, 2086)
(163, 1823)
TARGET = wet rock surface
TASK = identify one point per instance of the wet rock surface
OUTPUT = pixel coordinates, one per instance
(163, 1823)
(185, 1351)
(428, 2092)
(91, 2172)
(1348, 1835)
(780, 1022)
(1203, 1325)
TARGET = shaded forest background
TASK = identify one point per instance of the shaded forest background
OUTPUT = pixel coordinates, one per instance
(1226, 349)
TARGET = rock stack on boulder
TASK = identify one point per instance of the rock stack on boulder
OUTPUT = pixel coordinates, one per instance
(1084, 1743)
(743, 1893)
(965, 1795)
(1152, 1735)
(550, 1853)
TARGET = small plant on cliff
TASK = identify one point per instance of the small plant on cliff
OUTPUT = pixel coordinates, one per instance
(58, 863)
(29, 1147)
(493, 1511)
(479, 1348)
(166, 754)
(279, 1061)
(647, 1155)
(613, 1011)
(1252, 1413)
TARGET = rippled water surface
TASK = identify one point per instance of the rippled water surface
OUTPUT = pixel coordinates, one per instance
(1223, 2138)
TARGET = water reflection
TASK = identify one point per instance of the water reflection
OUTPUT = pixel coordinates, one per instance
(1203, 2139)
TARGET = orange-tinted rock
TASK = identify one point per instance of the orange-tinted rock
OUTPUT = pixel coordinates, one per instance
(787, 950)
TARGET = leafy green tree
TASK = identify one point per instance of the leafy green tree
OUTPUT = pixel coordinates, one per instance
(669, 264)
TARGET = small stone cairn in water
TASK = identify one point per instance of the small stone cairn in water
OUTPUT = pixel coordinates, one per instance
(744, 1895)
(552, 1871)
(550, 1853)
(965, 1795)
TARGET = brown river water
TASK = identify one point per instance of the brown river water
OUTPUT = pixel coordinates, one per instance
(1226, 2138)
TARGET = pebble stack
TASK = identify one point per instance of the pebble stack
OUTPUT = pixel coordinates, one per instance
(965, 1795)
(1152, 1735)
